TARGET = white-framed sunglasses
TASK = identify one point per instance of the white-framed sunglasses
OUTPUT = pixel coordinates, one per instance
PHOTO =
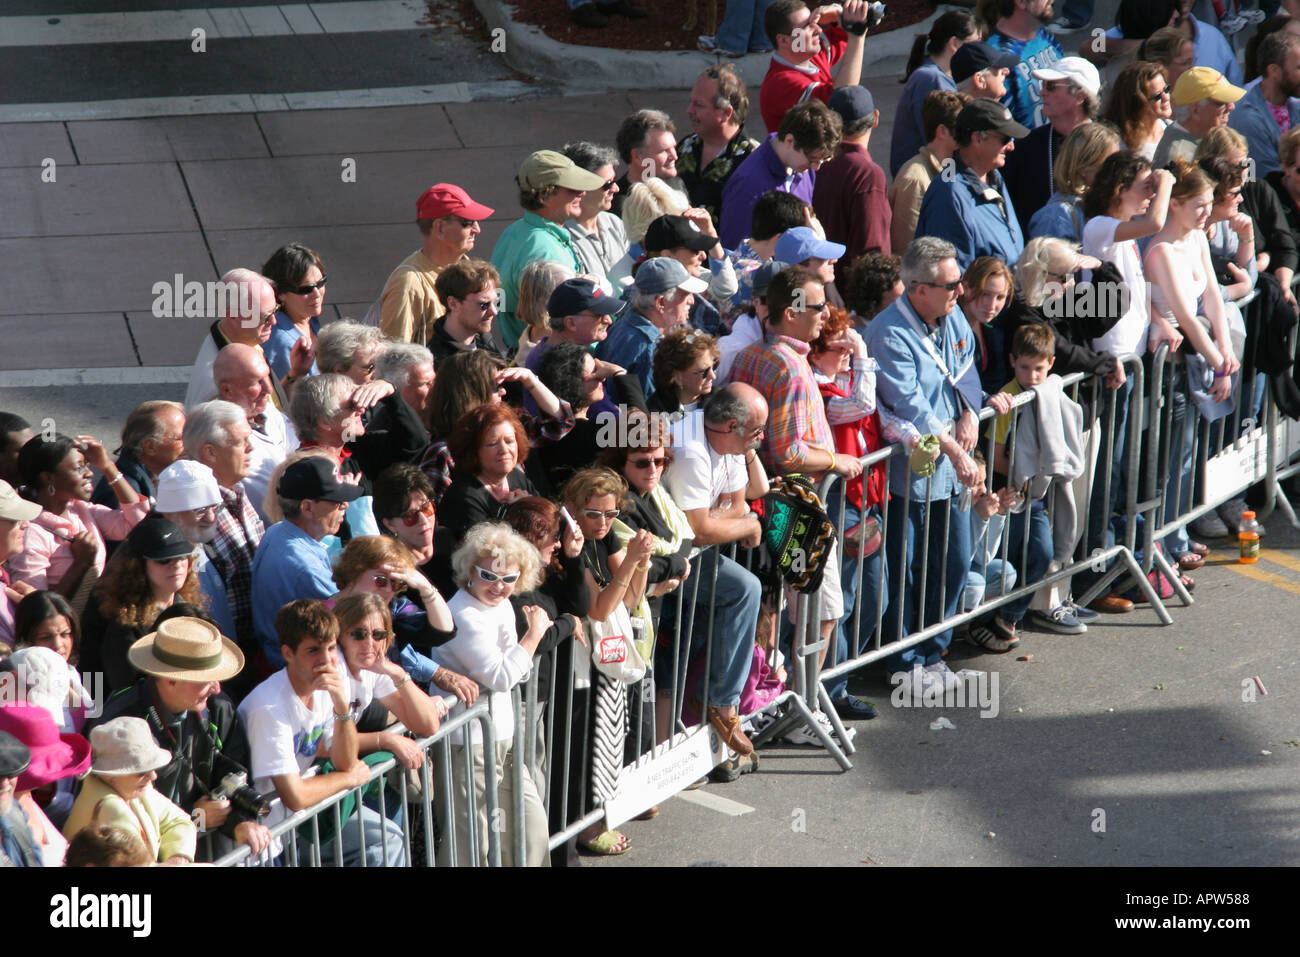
(492, 577)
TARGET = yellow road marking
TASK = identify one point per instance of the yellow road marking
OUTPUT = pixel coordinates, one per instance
(1267, 577)
(1280, 558)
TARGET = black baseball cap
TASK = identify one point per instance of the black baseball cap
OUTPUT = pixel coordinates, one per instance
(675, 232)
(980, 115)
(318, 479)
(972, 57)
(159, 539)
(576, 295)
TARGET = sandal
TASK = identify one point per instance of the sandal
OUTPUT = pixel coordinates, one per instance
(1190, 561)
(607, 844)
(730, 732)
(649, 814)
(1199, 548)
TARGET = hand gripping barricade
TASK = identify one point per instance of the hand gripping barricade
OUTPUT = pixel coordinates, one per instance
(303, 839)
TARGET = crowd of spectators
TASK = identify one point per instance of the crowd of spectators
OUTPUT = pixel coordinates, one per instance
(350, 531)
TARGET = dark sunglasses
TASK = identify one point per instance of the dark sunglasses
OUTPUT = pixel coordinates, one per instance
(949, 286)
(360, 634)
(1158, 95)
(609, 184)
(645, 463)
(467, 223)
(308, 288)
(413, 516)
(712, 371)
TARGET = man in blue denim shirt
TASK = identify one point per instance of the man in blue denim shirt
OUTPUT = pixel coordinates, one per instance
(968, 203)
(924, 347)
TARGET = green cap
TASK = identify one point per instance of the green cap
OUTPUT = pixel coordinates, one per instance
(549, 168)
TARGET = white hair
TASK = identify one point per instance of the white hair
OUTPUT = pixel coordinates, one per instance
(337, 344)
(209, 424)
(397, 361)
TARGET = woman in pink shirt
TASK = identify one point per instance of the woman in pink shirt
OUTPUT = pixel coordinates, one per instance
(63, 549)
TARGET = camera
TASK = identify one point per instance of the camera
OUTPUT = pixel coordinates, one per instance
(235, 787)
(875, 13)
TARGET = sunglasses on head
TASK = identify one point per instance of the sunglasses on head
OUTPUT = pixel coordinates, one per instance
(413, 516)
(645, 463)
(493, 577)
(595, 513)
(308, 288)
(360, 634)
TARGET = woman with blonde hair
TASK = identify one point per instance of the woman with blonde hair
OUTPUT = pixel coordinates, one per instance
(536, 284)
(1084, 150)
(646, 201)
(1185, 294)
(491, 562)
(988, 287)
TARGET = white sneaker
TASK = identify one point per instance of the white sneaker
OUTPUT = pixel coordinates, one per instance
(943, 675)
(806, 735)
(913, 684)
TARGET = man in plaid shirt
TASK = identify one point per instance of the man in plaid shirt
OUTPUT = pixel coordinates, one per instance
(799, 439)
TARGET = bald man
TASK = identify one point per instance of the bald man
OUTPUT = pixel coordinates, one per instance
(248, 318)
(241, 375)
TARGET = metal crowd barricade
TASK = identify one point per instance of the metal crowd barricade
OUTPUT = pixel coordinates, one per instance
(309, 850)
(867, 645)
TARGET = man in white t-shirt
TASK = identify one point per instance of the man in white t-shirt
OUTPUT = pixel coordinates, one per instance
(715, 471)
(302, 713)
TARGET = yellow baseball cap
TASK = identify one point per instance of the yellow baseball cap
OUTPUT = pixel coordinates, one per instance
(1205, 83)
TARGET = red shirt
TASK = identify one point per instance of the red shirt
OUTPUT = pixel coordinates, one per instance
(786, 85)
(851, 202)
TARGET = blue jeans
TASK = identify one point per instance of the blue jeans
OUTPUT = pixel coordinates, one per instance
(741, 29)
(1031, 562)
(994, 578)
(948, 560)
(1179, 461)
(1101, 505)
(873, 570)
(370, 832)
(736, 600)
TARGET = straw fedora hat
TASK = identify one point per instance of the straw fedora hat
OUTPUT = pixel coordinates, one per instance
(125, 745)
(187, 649)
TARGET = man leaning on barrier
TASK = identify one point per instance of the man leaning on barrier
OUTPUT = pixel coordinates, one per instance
(924, 346)
(711, 481)
(179, 697)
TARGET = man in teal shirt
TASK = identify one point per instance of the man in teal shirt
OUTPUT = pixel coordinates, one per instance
(551, 188)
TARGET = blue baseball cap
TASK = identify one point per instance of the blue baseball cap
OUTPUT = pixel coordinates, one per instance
(799, 244)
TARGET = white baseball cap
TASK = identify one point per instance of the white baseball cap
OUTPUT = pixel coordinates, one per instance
(186, 485)
(1073, 68)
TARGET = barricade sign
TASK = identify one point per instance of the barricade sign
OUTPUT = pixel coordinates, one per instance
(659, 777)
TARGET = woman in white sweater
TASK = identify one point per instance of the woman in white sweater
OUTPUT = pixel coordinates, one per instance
(490, 564)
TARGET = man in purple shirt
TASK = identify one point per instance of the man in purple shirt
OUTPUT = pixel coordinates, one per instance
(786, 161)
(850, 195)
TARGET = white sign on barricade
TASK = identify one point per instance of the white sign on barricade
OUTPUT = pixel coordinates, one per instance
(1245, 462)
(642, 786)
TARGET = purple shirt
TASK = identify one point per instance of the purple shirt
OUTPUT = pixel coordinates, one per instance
(760, 172)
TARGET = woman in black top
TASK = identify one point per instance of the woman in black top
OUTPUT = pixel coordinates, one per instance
(489, 447)
(563, 593)
(685, 370)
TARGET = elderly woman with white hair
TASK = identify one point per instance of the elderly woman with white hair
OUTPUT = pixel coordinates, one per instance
(349, 348)
(491, 562)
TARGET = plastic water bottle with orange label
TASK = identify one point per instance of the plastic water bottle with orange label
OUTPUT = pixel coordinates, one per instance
(1248, 538)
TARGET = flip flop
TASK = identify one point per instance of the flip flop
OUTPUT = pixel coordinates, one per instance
(1190, 561)
(1200, 549)
(607, 844)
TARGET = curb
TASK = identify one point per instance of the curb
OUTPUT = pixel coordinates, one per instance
(530, 51)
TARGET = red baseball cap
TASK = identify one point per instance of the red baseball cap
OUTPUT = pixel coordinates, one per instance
(444, 199)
